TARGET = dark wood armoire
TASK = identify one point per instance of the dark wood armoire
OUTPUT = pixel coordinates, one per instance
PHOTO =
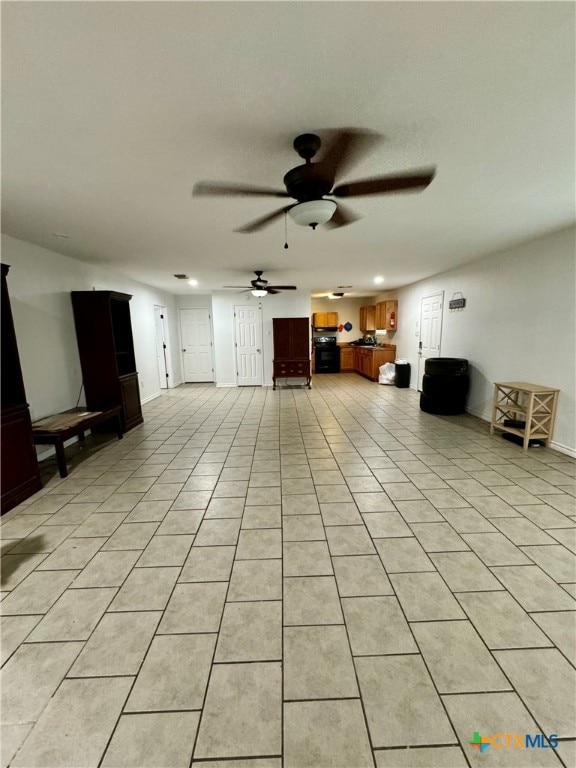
(291, 348)
(104, 334)
(20, 471)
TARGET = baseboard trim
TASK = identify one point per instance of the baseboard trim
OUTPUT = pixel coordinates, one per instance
(151, 397)
(561, 448)
(226, 385)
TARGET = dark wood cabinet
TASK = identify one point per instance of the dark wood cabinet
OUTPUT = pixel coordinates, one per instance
(104, 333)
(291, 348)
(20, 472)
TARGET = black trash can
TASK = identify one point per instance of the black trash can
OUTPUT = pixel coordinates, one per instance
(444, 386)
(402, 373)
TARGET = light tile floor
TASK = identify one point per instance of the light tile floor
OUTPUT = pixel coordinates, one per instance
(324, 578)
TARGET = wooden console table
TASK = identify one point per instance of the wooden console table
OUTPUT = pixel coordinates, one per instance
(531, 404)
(55, 430)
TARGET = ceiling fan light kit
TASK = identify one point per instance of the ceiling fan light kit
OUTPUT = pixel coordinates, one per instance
(313, 212)
(259, 292)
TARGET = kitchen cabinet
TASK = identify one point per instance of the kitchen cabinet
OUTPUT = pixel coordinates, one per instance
(387, 315)
(20, 472)
(346, 359)
(367, 361)
(525, 410)
(104, 334)
(324, 319)
(368, 318)
(291, 349)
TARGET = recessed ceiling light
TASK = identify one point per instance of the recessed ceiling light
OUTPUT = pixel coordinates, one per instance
(61, 235)
(192, 281)
(378, 279)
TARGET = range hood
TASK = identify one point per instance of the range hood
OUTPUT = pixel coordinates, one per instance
(325, 328)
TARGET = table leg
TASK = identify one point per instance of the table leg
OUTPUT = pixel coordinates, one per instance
(61, 458)
(119, 430)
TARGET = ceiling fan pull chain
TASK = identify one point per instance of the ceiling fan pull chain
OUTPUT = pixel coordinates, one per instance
(285, 231)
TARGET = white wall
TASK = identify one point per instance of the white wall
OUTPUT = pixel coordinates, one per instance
(39, 284)
(348, 312)
(280, 305)
(518, 323)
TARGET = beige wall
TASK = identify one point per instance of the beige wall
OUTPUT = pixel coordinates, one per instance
(518, 324)
(348, 312)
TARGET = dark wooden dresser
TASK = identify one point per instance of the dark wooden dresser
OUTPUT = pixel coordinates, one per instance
(20, 472)
(291, 349)
(104, 333)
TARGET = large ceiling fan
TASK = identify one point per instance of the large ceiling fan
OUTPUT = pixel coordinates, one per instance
(260, 287)
(310, 183)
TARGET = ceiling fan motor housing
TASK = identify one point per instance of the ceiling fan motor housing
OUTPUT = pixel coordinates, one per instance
(308, 182)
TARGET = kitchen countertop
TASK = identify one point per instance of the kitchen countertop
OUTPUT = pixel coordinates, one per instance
(367, 346)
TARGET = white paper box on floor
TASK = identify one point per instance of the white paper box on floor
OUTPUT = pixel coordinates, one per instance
(387, 373)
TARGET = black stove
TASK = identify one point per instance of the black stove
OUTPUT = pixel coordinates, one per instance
(326, 355)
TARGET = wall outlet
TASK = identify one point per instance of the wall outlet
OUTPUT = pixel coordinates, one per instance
(141, 383)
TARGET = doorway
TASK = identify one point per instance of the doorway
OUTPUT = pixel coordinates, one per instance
(196, 341)
(430, 331)
(161, 345)
(248, 343)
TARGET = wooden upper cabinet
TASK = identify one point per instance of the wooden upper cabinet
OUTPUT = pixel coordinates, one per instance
(368, 318)
(387, 315)
(324, 319)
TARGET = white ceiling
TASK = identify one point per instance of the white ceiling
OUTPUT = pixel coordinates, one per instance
(112, 111)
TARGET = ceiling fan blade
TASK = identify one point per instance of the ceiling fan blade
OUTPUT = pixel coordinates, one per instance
(283, 287)
(342, 216)
(381, 185)
(272, 291)
(204, 188)
(245, 287)
(346, 147)
(257, 224)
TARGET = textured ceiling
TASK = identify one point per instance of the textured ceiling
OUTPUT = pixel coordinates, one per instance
(112, 111)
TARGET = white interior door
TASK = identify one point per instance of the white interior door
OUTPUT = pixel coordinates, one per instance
(161, 346)
(248, 335)
(196, 337)
(430, 330)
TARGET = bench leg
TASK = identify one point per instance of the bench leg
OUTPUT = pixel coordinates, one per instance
(61, 459)
(119, 430)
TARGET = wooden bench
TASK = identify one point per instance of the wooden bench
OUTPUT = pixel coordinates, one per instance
(55, 430)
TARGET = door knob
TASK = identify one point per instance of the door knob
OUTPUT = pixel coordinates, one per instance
(258, 350)
(183, 350)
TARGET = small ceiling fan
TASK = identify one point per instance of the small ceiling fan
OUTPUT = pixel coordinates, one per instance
(260, 287)
(310, 183)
